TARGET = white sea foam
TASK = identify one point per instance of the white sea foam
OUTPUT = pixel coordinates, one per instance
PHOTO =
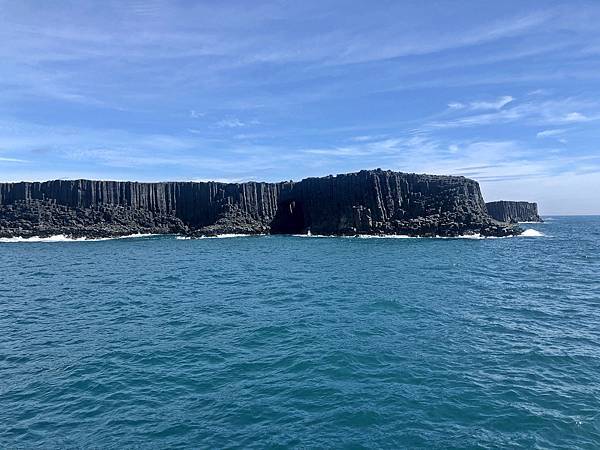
(228, 235)
(384, 236)
(526, 233)
(63, 238)
(400, 236)
(56, 238)
(475, 236)
(530, 232)
(356, 236)
(464, 236)
(134, 236)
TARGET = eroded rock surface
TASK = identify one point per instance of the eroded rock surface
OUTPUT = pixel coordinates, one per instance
(366, 202)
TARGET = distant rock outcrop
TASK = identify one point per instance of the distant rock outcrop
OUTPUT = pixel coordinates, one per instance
(506, 211)
(366, 202)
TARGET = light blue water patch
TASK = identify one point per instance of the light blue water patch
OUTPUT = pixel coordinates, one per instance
(282, 341)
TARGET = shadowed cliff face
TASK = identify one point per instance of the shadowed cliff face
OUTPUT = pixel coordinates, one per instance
(387, 202)
(369, 202)
(506, 211)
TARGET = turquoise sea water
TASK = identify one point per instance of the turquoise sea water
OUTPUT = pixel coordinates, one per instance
(282, 341)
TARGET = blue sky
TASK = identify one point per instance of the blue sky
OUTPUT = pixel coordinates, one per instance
(507, 93)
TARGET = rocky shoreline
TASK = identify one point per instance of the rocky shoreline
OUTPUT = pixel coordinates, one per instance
(373, 202)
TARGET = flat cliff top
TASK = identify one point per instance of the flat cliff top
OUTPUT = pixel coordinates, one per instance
(507, 202)
(421, 176)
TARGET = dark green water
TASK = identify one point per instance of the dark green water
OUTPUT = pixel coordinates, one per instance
(303, 342)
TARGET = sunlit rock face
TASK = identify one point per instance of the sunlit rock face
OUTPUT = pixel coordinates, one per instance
(366, 202)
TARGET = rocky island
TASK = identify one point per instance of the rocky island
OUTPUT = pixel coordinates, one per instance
(507, 211)
(365, 202)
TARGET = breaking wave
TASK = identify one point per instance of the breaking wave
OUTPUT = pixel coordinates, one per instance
(64, 238)
(218, 236)
(384, 236)
(402, 236)
(530, 232)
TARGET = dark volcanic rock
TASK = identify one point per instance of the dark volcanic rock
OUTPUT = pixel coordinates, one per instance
(385, 202)
(367, 202)
(506, 211)
(46, 218)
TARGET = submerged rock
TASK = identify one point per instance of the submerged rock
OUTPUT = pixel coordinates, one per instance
(366, 202)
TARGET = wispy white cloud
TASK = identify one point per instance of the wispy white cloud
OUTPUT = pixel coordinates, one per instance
(234, 122)
(100, 56)
(381, 147)
(55, 150)
(575, 117)
(196, 114)
(12, 160)
(366, 138)
(354, 87)
(389, 43)
(498, 104)
(482, 105)
(230, 123)
(550, 133)
(488, 161)
(547, 112)
(538, 92)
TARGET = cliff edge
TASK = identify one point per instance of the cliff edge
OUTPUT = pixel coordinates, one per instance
(365, 202)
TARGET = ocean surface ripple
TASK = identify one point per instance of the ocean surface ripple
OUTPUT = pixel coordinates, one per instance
(282, 341)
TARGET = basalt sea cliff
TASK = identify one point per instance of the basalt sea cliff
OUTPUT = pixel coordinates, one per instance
(510, 211)
(366, 202)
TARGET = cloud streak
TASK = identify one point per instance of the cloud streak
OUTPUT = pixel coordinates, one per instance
(551, 133)
(547, 112)
(166, 90)
(483, 105)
